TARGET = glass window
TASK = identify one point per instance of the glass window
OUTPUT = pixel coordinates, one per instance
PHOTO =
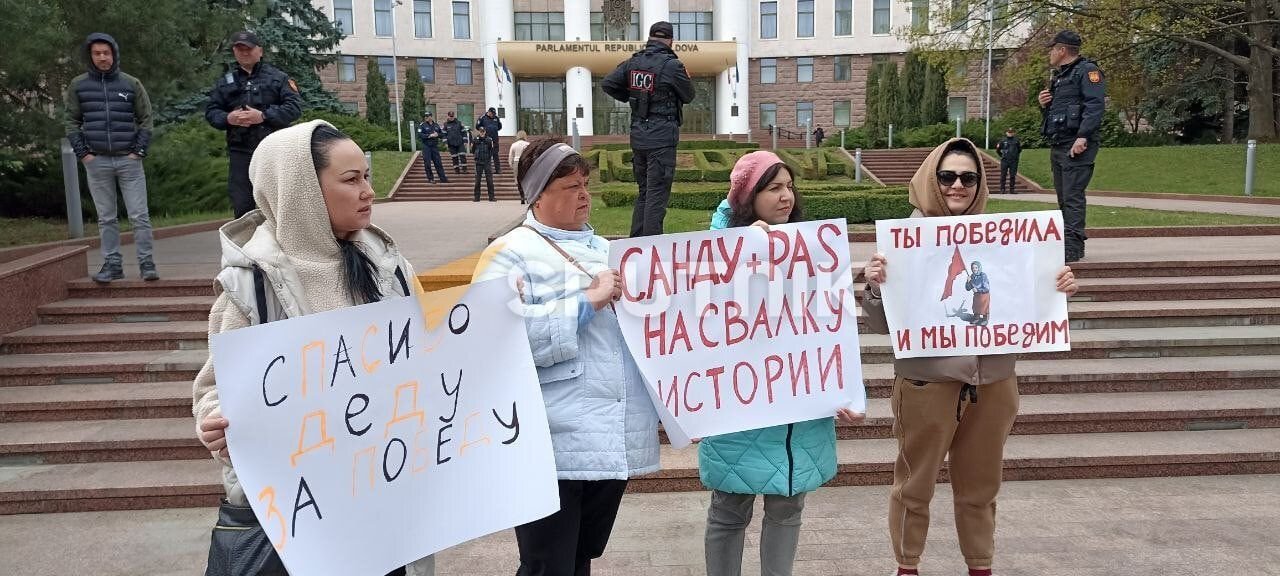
(768, 20)
(467, 115)
(959, 15)
(347, 69)
(343, 17)
(387, 67)
(421, 18)
(692, 25)
(427, 70)
(957, 107)
(429, 108)
(844, 17)
(768, 71)
(844, 69)
(804, 113)
(462, 20)
(842, 109)
(880, 17)
(804, 69)
(804, 18)
(539, 26)
(920, 16)
(632, 33)
(382, 17)
(462, 72)
(768, 114)
(351, 107)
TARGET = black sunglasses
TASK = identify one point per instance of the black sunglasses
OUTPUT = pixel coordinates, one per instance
(948, 178)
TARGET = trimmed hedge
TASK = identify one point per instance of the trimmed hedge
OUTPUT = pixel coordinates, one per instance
(690, 145)
(855, 206)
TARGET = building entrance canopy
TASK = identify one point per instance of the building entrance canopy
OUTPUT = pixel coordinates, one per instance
(556, 58)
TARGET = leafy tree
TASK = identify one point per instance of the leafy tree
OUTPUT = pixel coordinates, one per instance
(874, 120)
(377, 101)
(913, 79)
(933, 105)
(300, 39)
(413, 101)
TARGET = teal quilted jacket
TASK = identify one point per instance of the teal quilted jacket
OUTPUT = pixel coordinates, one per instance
(788, 459)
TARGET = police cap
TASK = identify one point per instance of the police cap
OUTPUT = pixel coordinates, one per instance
(1066, 37)
(662, 29)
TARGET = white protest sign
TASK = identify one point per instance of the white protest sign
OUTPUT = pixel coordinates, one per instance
(741, 329)
(971, 285)
(371, 436)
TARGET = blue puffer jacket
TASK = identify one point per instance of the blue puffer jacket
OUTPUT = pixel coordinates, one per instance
(603, 424)
(787, 459)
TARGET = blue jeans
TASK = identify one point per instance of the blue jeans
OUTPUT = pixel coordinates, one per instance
(110, 177)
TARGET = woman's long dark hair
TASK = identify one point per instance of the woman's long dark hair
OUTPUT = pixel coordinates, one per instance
(360, 272)
(745, 215)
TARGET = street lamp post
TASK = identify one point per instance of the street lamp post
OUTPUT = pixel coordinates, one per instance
(990, 46)
(395, 76)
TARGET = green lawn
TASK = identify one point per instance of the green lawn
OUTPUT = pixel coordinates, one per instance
(23, 231)
(617, 221)
(1215, 169)
(387, 167)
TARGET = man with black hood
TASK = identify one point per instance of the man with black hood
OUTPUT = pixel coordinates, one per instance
(253, 99)
(657, 86)
(109, 125)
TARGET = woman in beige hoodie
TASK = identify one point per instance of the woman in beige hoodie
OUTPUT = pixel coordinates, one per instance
(309, 247)
(935, 400)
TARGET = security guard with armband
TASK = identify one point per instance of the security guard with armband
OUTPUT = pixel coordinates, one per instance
(656, 85)
(250, 101)
(1072, 107)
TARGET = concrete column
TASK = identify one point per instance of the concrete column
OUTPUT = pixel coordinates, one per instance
(653, 11)
(496, 23)
(731, 22)
(577, 81)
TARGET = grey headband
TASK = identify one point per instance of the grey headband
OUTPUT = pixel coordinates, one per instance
(540, 173)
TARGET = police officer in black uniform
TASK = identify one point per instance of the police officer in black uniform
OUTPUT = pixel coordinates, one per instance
(1072, 108)
(250, 101)
(657, 86)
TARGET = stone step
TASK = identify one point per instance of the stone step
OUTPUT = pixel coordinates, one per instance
(1179, 288)
(86, 288)
(1129, 314)
(1183, 268)
(119, 401)
(100, 367)
(109, 337)
(45, 488)
(1040, 457)
(1133, 343)
(1121, 375)
(98, 310)
(99, 441)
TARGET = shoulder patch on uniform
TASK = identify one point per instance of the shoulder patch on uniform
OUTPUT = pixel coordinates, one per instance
(1095, 76)
(293, 85)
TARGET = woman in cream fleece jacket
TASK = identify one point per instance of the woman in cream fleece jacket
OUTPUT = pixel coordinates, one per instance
(312, 242)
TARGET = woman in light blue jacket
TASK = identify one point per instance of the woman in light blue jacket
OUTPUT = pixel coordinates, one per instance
(604, 429)
(784, 462)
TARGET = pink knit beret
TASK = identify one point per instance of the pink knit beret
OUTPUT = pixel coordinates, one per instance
(746, 174)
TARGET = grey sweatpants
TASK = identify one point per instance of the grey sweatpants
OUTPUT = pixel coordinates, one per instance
(111, 177)
(727, 521)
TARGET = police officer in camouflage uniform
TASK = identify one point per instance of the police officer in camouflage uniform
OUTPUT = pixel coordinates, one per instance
(251, 101)
(657, 86)
(1072, 108)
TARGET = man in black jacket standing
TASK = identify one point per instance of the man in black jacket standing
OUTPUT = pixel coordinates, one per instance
(657, 86)
(250, 101)
(108, 122)
(429, 134)
(455, 137)
(1072, 107)
(1010, 150)
(492, 125)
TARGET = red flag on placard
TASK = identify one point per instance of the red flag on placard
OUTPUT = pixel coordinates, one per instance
(953, 271)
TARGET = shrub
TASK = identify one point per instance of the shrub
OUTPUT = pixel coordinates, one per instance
(853, 203)
(369, 136)
(187, 169)
(688, 175)
(690, 145)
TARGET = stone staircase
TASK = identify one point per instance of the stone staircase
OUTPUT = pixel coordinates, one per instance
(1175, 370)
(414, 186)
(896, 167)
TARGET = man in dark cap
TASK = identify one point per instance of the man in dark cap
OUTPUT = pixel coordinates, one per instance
(250, 101)
(1072, 106)
(492, 125)
(429, 134)
(656, 85)
(1010, 151)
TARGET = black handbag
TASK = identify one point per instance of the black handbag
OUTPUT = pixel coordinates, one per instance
(240, 547)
